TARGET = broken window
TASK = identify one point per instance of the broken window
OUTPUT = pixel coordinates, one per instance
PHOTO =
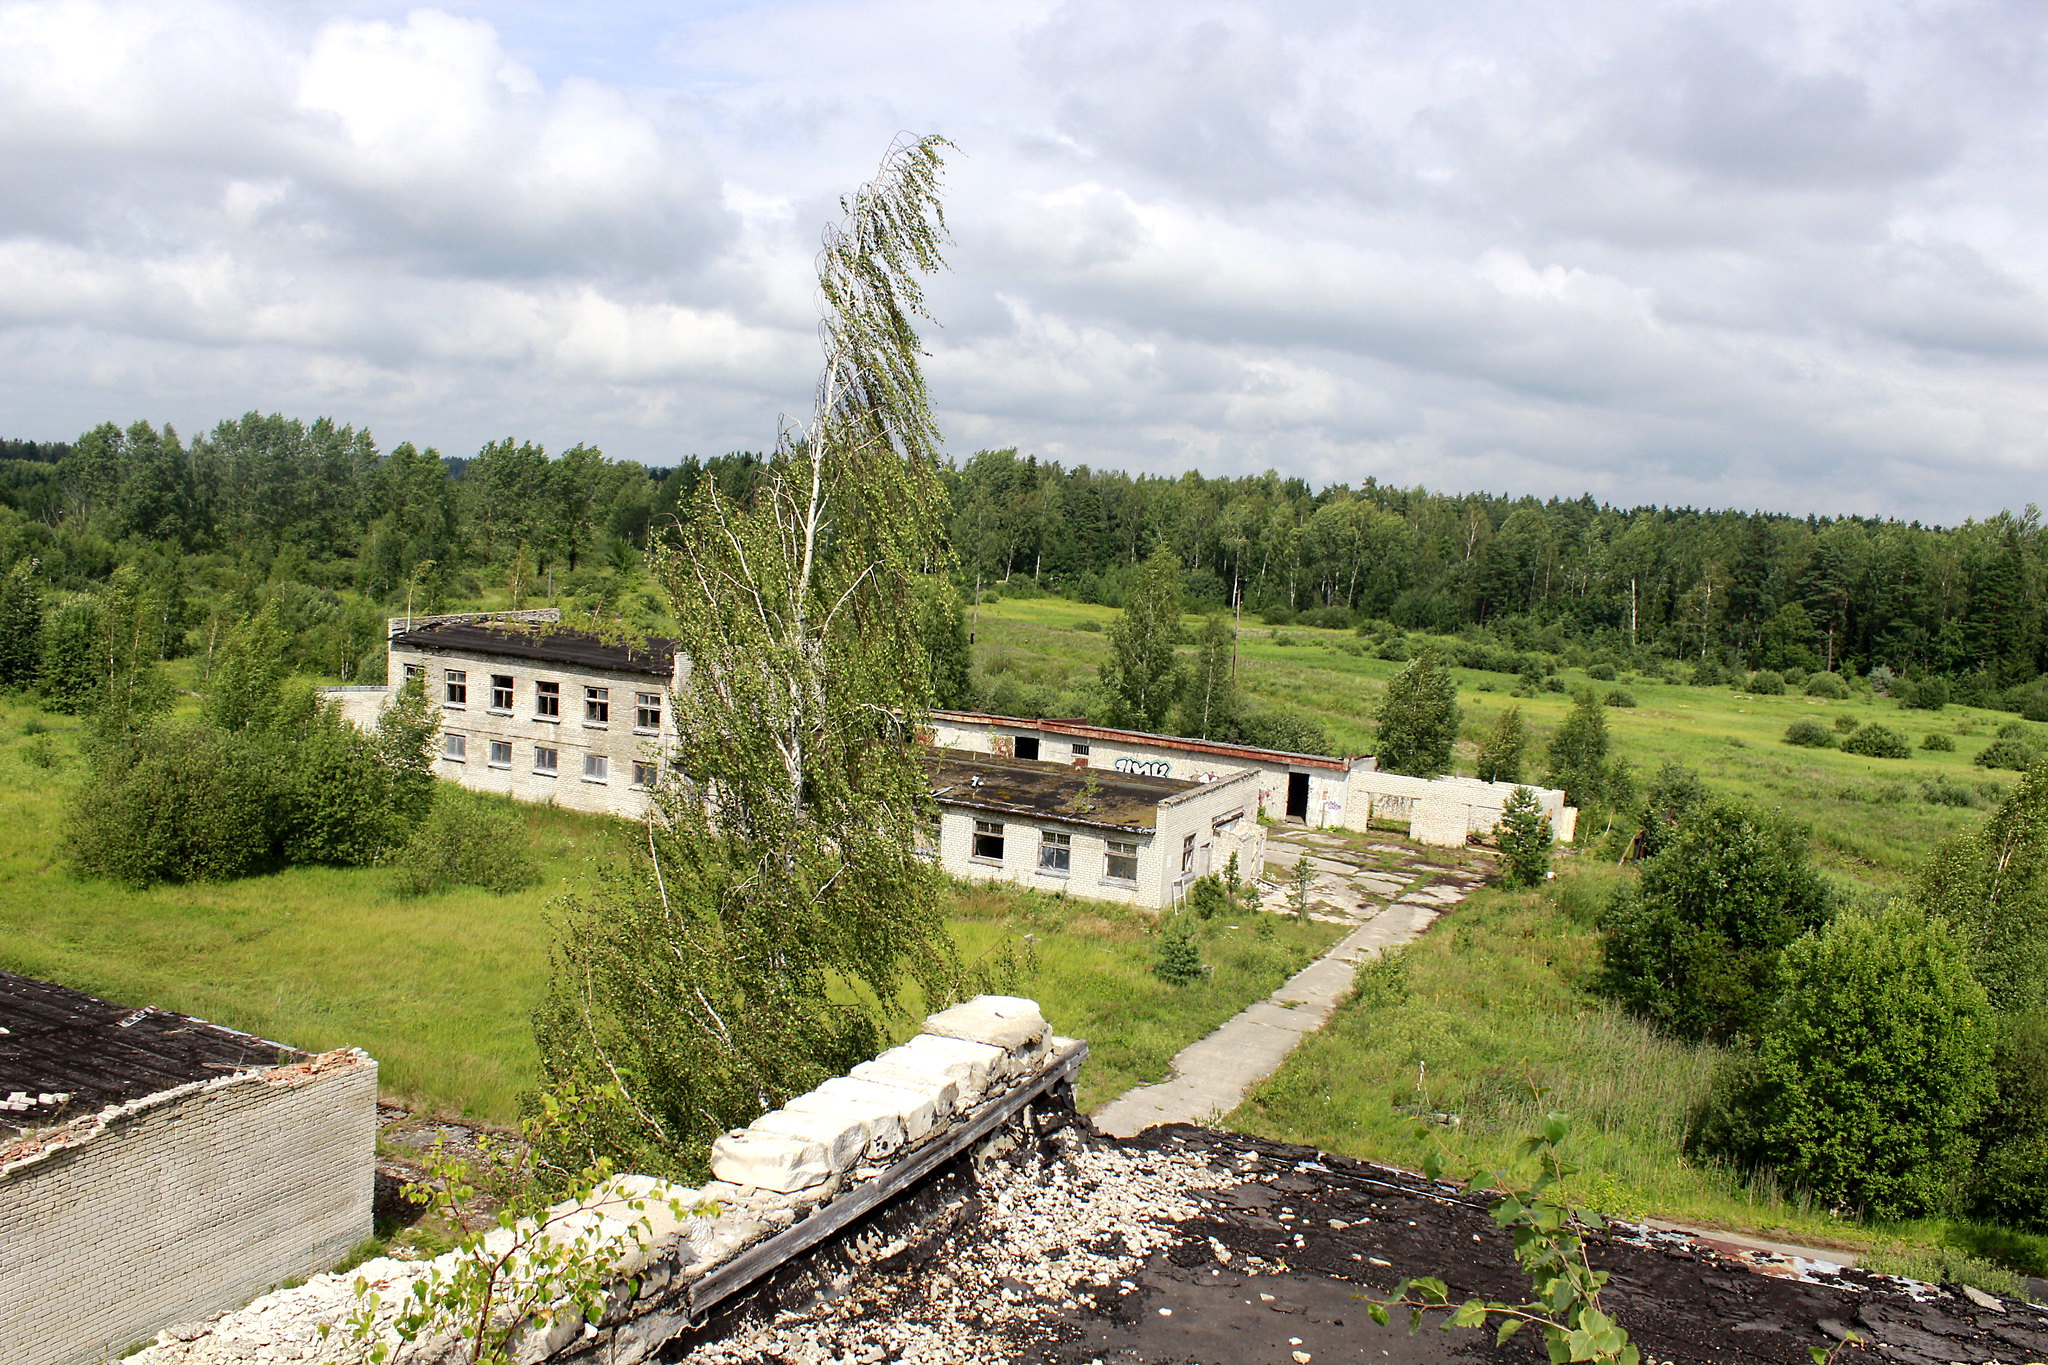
(501, 691)
(547, 700)
(457, 684)
(1055, 851)
(1122, 864)
(597, 705)
(988, 840)
(647, 711)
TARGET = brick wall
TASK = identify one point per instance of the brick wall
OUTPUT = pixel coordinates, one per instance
(180, 1205)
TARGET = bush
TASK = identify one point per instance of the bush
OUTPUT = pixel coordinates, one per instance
(1828, 686)
(1602, 672)
(1881, 679)
(1943, 790)
(1870, 1069)
(1767, 684)
(1709, 674)
(1846, 724)
(1936, 742)
(1877, 741)
(2013, 729)
(1621, 697)
(1176, 959)
(1808, 733)
(1921, 694)
(1089, 625)
(2011, 1187)
(1326, 618)
(1692, 946)
(466, 840)
(1395, 650)
(1524, 838)
(2014, 754)
(179, 804)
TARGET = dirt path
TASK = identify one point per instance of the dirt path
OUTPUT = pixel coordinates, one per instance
(1391, 893)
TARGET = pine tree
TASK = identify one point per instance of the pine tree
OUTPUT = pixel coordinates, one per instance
(1500, 758)
(1525, 838)
(778, 911)
(1141, 674)
(1418, 718)
(1176, 957)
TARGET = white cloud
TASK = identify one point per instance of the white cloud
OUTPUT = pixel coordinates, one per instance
(1736, 251)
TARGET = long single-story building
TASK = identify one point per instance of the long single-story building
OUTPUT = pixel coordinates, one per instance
(1316, 789)
(155, 1168)
(533, 711)
(1101, 834)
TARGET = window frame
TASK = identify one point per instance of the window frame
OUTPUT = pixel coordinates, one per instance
(547, 700)
(1187, 855)
(597, 705)
(597, 768)
(454, 746)
(645, 774)
(455, 687)
(645, 703)
(492, 759)
(1055, 853)
(987, 830)
(1116, 851)
(551, 766)
(504, 693)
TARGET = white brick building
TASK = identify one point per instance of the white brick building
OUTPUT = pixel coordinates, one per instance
(1104, 835)
(1316, 789)
(156, 1169)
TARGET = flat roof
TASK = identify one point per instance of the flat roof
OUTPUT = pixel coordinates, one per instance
(1022, 786)
(57, 1041)
(1081, 729)
(545, 644)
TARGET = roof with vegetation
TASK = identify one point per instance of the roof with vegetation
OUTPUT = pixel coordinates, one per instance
(543, 643)
(64, 1053)
(1020, 786)
(1081, 729)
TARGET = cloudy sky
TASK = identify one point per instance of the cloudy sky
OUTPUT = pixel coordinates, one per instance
(1787, 255)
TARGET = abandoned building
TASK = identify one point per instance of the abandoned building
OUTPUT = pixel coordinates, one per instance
(155, 1169)
(532, 711)
(1316, 789)
(1102, 834)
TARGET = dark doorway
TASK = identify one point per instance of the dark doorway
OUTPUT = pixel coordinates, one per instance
(1027, 746)
(1297, 796)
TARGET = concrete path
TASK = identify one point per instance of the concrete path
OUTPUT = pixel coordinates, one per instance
(1211, 1077)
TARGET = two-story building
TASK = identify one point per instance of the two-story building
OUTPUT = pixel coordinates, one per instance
(1102, 834)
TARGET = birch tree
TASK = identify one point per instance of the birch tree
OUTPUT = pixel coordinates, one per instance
(777, 911)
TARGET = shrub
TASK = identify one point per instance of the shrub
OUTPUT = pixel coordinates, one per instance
(1994, 884)
(1870, 1069)
(1176, 959)
(1877, 741)
(466, 840)
(1936, 742)
(1808, 733)
(1881, 679)
(1693, 944)
(1395, 649)
(1089, 625)
(2014, 754)
(177, 804)
(1553, 685)
(1525, 838)
(1709, 674)
(2013, 729)
(1845, 724)
(1602, 672)
(1921, 694)
(1326, 618)
(1673, 794)
(1828, 686)
(1765, 683)
(1621, 697)
(2012, 1179)
(1943, 790)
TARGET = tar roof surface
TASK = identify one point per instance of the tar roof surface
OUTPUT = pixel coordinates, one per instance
(1084, 730)
(1050, 790)
(544, 644)
(55, 1040)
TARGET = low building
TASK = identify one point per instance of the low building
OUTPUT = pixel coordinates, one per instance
(1316, 789)
(156, 1169)
(533, 711)
(1102, 834)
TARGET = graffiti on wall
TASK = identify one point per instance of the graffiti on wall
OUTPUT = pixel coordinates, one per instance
(1142, 767)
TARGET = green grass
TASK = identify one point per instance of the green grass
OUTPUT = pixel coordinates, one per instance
(438, 988)
(1869, 824)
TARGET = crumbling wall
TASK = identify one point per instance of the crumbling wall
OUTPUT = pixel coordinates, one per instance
(786, 1182)
(181, 1204)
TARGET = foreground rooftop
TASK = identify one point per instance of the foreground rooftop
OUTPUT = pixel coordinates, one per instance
(1021, 786)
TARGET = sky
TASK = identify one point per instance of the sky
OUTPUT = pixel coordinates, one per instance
(1773, 255)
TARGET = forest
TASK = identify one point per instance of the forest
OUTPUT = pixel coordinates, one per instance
(337, 530)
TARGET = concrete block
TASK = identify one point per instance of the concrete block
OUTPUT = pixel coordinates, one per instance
(880, 1122)
(973, 1065)
(889, 1069)
(770, 1162)
(1009, 1022)
(913, 1113)
(843, 1135)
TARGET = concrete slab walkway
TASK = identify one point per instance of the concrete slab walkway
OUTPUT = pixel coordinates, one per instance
(1210, 1077)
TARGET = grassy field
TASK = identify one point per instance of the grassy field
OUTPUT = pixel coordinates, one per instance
(438, 988)
(1870, 825)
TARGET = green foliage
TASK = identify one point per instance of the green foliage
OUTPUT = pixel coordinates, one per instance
(21, 626)
(549, 1254)
(1767, 683)
(1877, 741)
(778, 914)
(1177, 957)
(1548, 1235)
(406, 733)
(1500, 757)
(2016, 755)
(248, 678)
(1418, 718)
(1525, 838)
(1922, 694)
(1809, 733)
(1208, 897)
(1827, 686)
(1943, 790)
(1863, 1082)
(1673, 794)
(1210, 703)
(1619, 697)
(68, 668)
(1846, 724)
(1141, 675)
(2011, 1185)
(336, 790)
(1993, 885)
(1600, 672)
(1300, 878)
(184, 803)
(1936, 742)
(1578, 752)
(942, 622)
(466, 840)
(1693, 946)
